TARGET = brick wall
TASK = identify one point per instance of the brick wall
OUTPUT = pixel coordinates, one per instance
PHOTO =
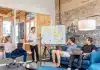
(72, 11)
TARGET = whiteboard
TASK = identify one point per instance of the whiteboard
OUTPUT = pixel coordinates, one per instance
(53, 34)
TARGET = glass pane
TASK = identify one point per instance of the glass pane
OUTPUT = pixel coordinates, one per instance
(21, 18)
(6, 22)
(30, 23)
(6, 28)
(27, 29)
(16, 38)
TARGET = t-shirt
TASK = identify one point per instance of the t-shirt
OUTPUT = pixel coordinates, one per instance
(66, 48)
(8, 47)
(33, 39)
(70, 47)
(88, 48)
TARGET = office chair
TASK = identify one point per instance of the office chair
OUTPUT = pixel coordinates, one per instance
(13, 62)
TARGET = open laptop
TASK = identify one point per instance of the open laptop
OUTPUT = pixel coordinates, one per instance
(76, 51)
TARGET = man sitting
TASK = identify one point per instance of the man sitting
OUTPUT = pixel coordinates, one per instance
(86, 50)
(19, 51)
(70, 45)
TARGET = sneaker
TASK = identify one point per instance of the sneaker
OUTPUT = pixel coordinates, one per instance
(24, 64)
(36, 61)
(32, 61)
(68, 68)
(58, 65)
(27, 66)
(76, 69)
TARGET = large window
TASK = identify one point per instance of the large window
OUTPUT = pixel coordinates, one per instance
(24, 22)
(29, 24)
(17, 37)
(15, 23)
(7, 28)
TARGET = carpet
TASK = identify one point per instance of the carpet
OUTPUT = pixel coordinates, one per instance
(49, 68)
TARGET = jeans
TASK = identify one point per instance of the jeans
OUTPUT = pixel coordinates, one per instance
(8, 55)
(72, 57)
(17, 53)
(34, 48)
(80, 59)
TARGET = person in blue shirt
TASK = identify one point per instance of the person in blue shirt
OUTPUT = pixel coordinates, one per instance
(19, 51)
(86, 50)
(70, 44)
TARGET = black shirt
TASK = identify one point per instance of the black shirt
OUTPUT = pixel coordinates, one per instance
(88, 48)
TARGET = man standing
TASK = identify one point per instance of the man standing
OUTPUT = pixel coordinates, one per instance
(33, 44)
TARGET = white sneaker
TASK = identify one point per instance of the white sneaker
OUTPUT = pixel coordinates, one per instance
(68, 68)
(27, 66)
(24, 64)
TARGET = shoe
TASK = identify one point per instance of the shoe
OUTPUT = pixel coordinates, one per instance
(32, 61)
(58, 65)
(27, 66)
(68, 68)
(76, 69)
(36, 61)
(24, 64)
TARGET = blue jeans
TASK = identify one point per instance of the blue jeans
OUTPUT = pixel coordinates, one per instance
(17, 53)
(8, 55)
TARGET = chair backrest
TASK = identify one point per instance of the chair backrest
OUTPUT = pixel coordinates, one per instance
(95, 57)
(20, 45)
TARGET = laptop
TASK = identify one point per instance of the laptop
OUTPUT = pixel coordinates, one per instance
(76, 51)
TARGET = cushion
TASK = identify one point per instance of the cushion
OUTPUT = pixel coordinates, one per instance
(95, 57)
(95, 66)
(49, 68)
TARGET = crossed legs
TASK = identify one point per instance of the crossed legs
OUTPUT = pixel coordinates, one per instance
(58, 54)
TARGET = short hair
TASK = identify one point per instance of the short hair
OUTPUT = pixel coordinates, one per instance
(72, 39)
(6, 38)
(32, 28)
(22, 37)
(19, 45)
(90, 39)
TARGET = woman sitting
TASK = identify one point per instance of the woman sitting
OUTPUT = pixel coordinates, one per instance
(14, 53)
(8, 47)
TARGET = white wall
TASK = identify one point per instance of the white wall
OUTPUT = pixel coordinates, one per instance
(37, 6)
